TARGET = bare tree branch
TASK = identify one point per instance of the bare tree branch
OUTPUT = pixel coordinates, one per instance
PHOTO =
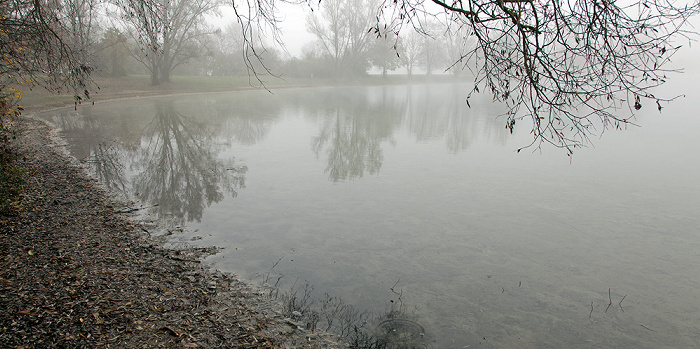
(573, 68)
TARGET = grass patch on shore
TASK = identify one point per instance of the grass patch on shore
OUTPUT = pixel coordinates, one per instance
(132, 86)
(140, 86)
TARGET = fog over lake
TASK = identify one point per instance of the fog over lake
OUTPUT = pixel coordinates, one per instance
(403, 201)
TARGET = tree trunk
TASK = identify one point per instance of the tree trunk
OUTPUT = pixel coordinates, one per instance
(155, 74)
(164, 74)
(154, 78)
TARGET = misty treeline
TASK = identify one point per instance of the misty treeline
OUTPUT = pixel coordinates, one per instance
(187, 37)
(571, 67)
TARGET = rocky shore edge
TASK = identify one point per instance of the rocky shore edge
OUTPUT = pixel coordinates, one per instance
(77, 273)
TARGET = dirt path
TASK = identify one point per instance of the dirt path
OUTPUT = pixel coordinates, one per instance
(76, 273)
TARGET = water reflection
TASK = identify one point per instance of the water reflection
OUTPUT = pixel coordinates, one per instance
(353, 129)
(97, 147)
(170, 160)
(355, 123)
(178, 168)
(172, 151)
(244, 120)
(396, 327)
(436, 113)
(108, 166)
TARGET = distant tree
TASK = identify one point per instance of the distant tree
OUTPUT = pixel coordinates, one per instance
(457, 41)
(312, 64)
(385, 52)
(411, 50)
(432, 46)
(114, 52)
(167, 32)
(342, 31)
(226, 57)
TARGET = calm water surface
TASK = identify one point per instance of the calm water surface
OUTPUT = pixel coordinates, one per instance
(401, 198)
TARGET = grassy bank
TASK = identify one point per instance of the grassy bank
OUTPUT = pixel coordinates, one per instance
(133, 86)
(140, 86)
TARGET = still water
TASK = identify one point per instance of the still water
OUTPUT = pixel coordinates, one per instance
(402, 201)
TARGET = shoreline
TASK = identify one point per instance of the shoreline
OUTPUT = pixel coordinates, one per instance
(76, 272)
(64, 210)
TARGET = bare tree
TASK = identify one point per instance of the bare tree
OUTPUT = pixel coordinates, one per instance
(385, 52)
(80, 18)
(411, 50)
(432, 52)
(342, 29)
(114, 52)
(457, 41)
(35, 50)
(572, 67)
(166, 31)
(331, 36)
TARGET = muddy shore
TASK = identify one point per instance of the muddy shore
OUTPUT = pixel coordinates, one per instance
(77, 272)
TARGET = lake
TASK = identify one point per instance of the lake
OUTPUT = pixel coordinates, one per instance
(402, 211)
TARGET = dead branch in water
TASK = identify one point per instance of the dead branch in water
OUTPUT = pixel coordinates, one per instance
(620, 304)
(609, 304)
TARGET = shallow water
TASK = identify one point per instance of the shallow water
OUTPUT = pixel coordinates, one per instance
(393, 196)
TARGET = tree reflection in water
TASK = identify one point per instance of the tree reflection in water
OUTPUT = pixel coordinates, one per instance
(352, 134)
(97, 147)
(396, 327)
(356, 122)
(442, 113)
(178, 166)
(108, 166)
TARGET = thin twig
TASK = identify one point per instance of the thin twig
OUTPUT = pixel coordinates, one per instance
(400, 293)
(591, 313)
(274, 265)
(620, 304)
